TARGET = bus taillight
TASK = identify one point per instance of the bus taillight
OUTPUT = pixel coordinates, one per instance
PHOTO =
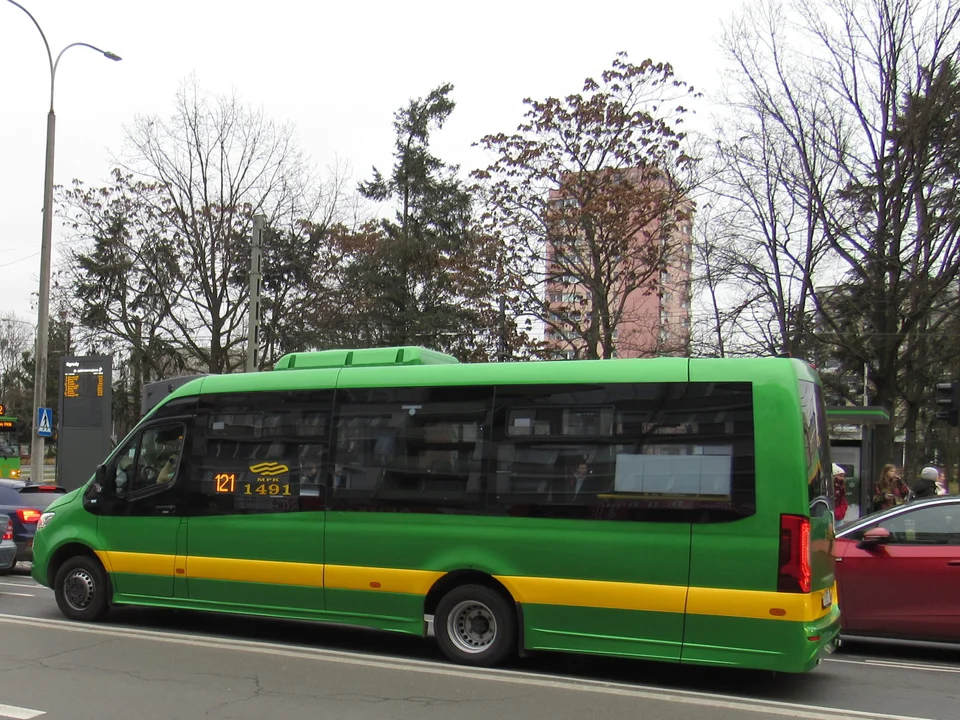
(794, 575)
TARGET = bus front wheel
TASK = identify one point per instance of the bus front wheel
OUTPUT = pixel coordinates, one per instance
(81, 589)
(475, 625)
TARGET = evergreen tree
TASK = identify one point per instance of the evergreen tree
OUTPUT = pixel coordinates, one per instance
(426, 276)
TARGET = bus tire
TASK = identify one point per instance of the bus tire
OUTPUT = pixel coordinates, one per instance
(82, 589)
(475, 625)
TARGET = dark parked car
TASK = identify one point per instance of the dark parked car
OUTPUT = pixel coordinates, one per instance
(8, 550)
(898, 572)
(23, 503)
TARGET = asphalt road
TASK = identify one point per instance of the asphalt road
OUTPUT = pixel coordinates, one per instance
(153, 665)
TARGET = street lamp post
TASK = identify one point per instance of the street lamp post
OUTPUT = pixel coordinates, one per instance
(43, 321)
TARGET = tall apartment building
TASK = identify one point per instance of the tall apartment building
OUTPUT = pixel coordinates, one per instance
(656, 319)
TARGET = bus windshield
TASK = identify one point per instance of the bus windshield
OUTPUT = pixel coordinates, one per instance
(9, 448)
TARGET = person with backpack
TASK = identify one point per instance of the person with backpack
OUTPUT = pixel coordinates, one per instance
(926, 485)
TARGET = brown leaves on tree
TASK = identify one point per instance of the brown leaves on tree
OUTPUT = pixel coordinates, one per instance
(591, 194)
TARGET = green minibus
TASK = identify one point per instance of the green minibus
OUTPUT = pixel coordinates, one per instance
(670, 509)
(9, 446)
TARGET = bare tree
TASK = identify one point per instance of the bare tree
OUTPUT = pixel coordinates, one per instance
(859, 95)
(715, 274)
(215, 163)
(774, 245)
(15, 339)
(16, 345)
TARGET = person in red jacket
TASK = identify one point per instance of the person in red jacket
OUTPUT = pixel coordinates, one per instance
(839, 493)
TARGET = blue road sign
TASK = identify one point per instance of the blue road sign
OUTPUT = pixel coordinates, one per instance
(45, 422)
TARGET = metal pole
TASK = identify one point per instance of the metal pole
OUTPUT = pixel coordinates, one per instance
(253, 323)
(43, 324)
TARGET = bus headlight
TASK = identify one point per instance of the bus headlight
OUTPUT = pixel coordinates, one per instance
(44, 520)
(15, 473)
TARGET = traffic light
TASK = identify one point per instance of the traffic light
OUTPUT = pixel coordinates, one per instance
(949, 399)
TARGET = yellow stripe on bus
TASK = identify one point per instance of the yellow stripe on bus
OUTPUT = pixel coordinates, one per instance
(722, 602)
(255, 571)
(759, 604)
(411, 582)
(595, 593)
(137, 563)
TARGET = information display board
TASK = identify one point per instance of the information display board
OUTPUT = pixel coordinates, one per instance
(85, 417)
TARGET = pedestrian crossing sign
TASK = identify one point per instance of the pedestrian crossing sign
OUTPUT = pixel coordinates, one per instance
(45, 422)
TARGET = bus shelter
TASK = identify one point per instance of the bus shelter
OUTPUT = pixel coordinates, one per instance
(852, 430)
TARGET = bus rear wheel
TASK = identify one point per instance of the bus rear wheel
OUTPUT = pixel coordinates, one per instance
(475, 625)
(81, 589)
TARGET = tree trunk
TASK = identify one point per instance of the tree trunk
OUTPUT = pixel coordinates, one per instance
(911, 448)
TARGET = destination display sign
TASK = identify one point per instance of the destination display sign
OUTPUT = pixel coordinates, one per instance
(79, 381)
(266, 486)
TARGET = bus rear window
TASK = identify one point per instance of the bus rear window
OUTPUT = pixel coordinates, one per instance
(817, 454)
(40, 498)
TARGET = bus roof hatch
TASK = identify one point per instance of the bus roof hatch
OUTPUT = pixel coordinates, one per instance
(367, 357)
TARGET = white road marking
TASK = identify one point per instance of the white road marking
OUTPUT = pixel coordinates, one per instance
(558, 682)
(19, 713)
(899, 664)
(3, 592)
(21, 584)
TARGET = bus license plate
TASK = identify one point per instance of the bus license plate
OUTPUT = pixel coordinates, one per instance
(827, 599)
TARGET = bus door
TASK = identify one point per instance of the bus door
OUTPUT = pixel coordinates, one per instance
(587, 477)
(256, 486)
(141, 509)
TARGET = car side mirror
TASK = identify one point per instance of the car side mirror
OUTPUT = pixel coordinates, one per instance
(874, 537)
(100, 483)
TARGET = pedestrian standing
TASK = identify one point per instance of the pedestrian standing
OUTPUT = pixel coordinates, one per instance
(942, 486)
(839, 493)
(890, 489)
(926, 485)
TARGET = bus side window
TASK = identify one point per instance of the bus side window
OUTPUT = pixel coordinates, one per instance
(419, 448)
(624, 450)
(264, 452)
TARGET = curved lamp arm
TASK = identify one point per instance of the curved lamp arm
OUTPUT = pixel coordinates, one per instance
(53, 63)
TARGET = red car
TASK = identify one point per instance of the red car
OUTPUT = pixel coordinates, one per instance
(898, 572)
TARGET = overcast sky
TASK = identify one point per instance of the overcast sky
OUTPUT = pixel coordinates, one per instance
(337, 71)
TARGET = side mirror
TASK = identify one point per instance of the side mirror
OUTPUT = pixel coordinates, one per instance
(873, 538)
(101, 485)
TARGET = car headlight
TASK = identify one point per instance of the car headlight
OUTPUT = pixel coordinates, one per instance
(44, 520)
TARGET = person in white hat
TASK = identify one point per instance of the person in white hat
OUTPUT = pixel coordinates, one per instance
(926, 485)
(839, 493)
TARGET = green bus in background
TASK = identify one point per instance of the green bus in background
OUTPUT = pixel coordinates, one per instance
(670, 509)
(9, 446)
